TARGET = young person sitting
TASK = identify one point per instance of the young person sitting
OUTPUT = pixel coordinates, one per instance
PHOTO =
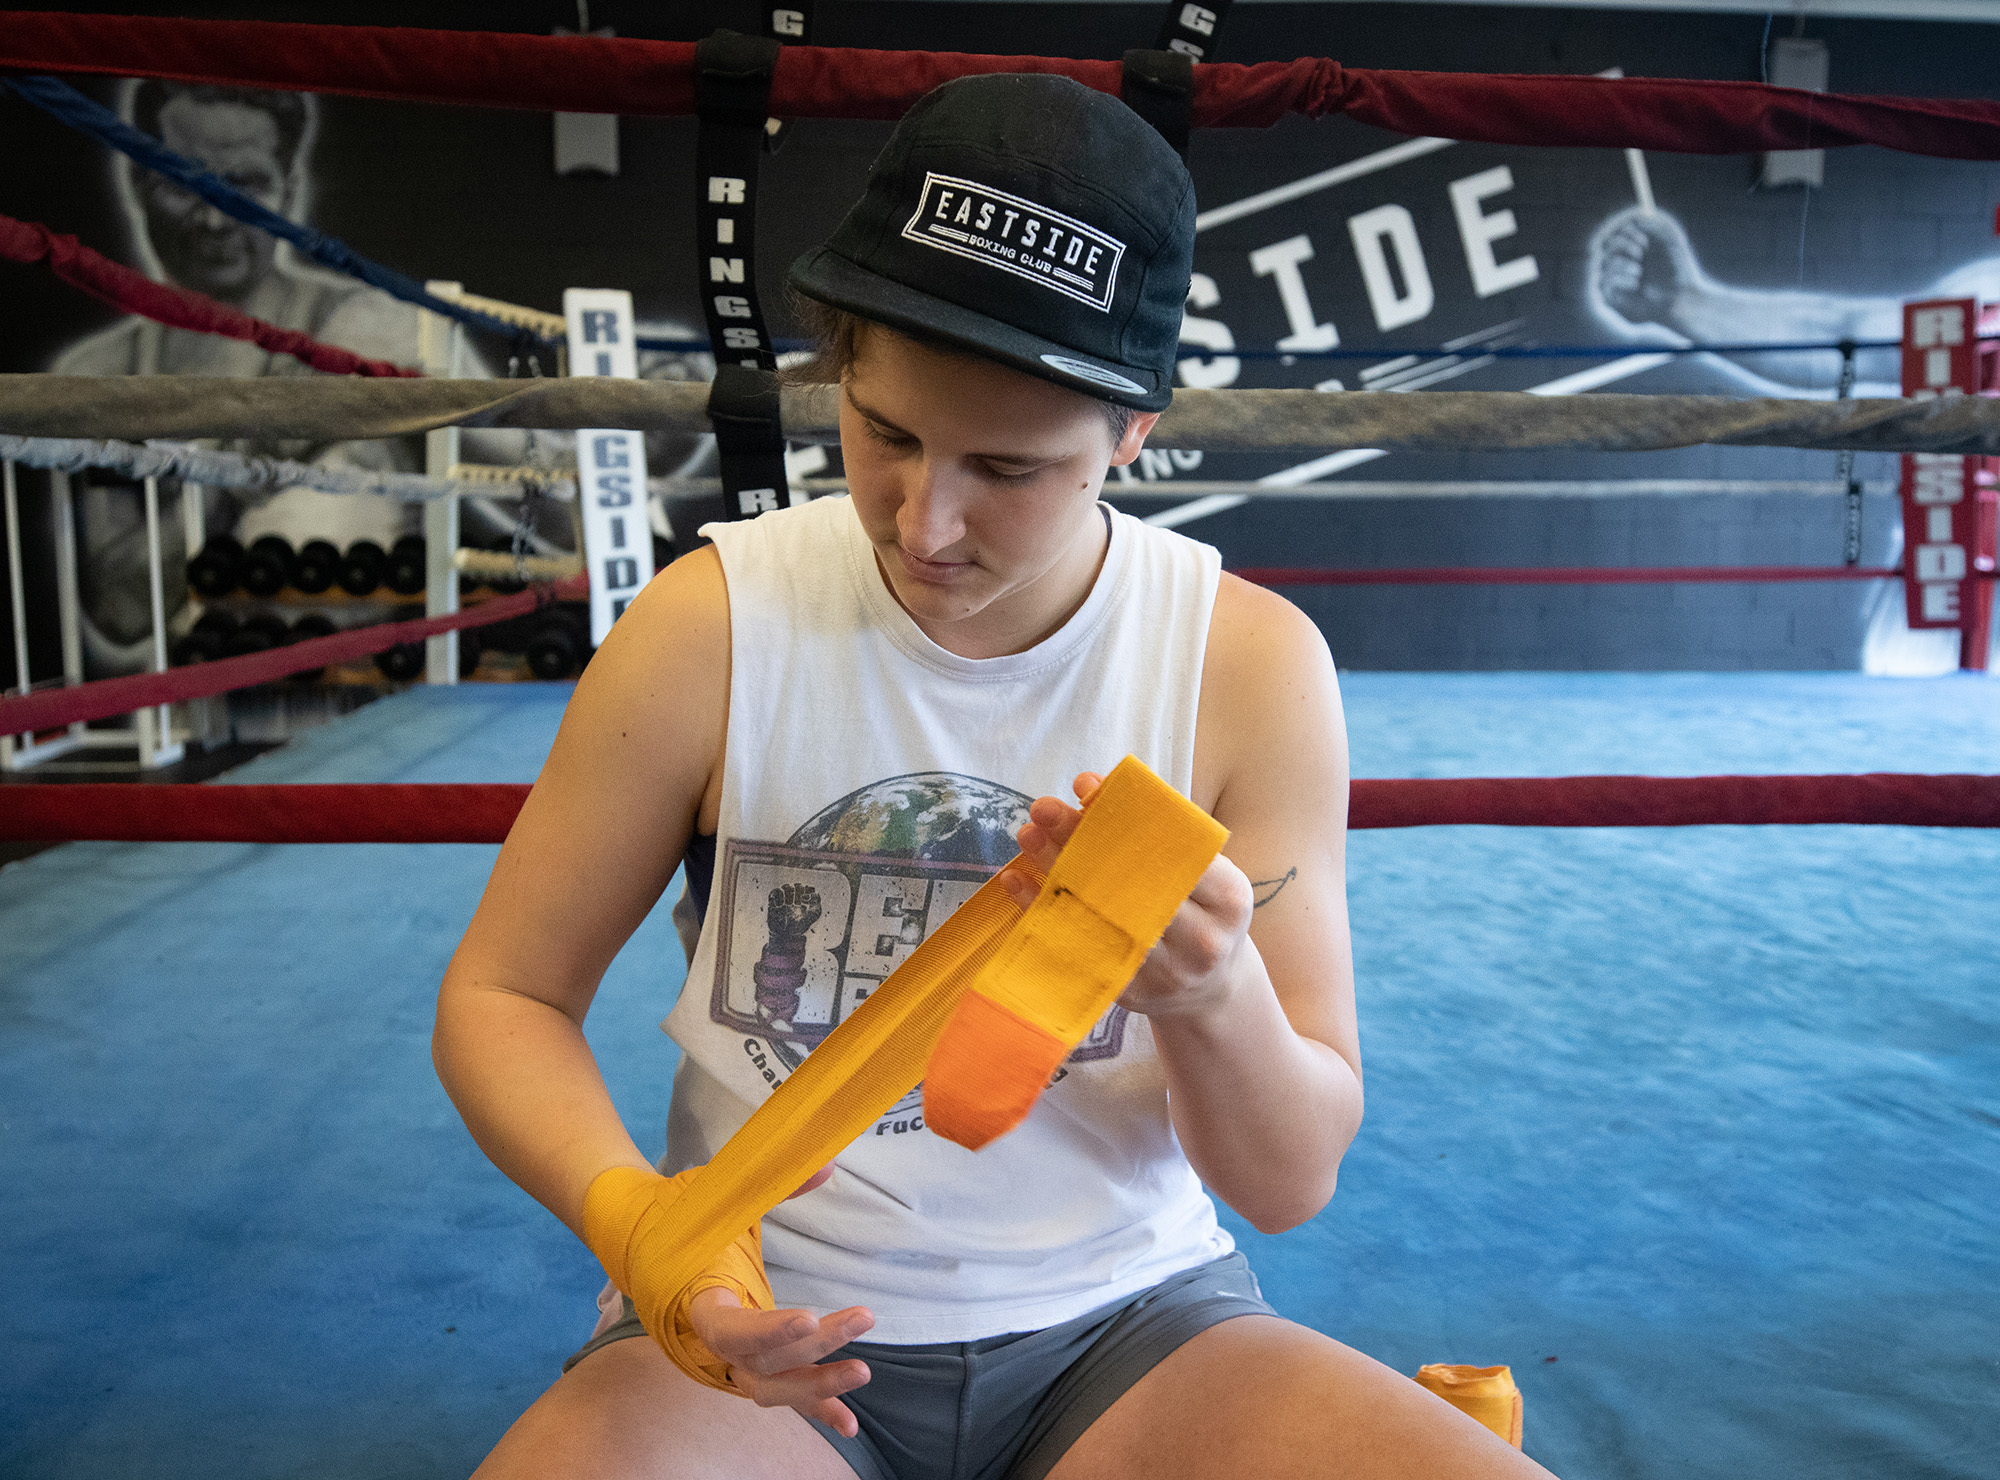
(842, 717)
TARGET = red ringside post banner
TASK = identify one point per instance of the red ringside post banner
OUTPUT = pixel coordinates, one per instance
(1949, 524)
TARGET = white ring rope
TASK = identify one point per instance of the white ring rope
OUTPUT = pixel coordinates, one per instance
(331, 408)
(249, 473)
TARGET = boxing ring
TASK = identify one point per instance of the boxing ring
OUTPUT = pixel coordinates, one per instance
(1708, 1115)
(1696, 1128)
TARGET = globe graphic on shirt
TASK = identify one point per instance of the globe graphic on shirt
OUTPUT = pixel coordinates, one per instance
(927, 817)
(962, 823)
(935, 816)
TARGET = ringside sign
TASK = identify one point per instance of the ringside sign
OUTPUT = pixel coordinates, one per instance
(1948, 500)
(610, 465)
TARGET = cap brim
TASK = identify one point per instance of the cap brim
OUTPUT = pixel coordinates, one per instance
(833, 279)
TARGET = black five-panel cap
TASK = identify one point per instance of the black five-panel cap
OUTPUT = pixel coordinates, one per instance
(1030, 220)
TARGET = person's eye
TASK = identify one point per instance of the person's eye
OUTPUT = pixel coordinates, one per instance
(888, 439)
(1010, 475)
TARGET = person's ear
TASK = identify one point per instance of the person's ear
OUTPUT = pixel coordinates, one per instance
(1128, 447)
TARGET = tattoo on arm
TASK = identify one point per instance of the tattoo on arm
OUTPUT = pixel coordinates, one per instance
(1266, 890)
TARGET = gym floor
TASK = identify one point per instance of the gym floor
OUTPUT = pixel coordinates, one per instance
(1698, 1129)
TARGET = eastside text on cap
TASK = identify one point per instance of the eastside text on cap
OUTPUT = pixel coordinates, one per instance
(1048, 248)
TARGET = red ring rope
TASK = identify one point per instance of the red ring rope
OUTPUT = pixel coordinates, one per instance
(1562, 575)
(589, 74)
(50, 709)
(483, 813)
(128, 291)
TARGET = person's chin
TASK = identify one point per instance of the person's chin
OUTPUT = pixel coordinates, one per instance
(943, 597)
(954, 576)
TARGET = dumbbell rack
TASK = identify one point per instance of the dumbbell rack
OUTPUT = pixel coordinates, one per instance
(150, 732)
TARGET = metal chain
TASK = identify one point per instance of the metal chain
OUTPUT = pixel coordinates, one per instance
(1844, 466)
(524, 527)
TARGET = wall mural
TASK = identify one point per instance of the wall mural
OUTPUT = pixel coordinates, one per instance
(1647, 283)
(1316, 241)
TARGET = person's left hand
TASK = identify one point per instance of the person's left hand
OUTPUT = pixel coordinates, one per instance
(1192, 969)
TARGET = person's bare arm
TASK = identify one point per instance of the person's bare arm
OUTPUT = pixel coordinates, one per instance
(633, 772)
(600, 836)
(1251, 990)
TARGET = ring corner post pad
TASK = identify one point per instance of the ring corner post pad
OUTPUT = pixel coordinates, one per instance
(1138, 852)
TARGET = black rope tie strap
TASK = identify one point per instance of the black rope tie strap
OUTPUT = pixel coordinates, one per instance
(732, 93)
(743, 409)
(1159, 87)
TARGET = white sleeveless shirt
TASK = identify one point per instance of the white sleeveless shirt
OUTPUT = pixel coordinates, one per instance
(871, 781)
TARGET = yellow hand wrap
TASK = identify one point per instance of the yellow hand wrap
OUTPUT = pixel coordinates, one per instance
(629, 1224)
(1138, 852)
(1026, 986)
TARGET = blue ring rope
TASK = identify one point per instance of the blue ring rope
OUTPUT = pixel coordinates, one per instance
(80, 112)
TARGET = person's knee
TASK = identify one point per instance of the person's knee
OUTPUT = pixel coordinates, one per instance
(625, 1410)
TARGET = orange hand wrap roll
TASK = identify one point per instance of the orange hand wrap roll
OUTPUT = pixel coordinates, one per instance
(1042, 977)
(1485, 1393)
(1078, 946)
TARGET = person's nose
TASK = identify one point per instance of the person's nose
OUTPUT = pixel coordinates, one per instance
(932, 516)
(211, 218)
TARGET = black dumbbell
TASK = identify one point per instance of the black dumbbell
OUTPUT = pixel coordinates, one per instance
(221, 623)
(269, 566)
(361, 568)
(401, 664)
(552, 652)
(205, 641)
(196, 646)
(312, 624)
(258, 634)
(406, 572)
(217, 569)
(318, 564)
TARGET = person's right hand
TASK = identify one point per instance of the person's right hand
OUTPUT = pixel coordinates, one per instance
(1644, 265)
(774, 1355)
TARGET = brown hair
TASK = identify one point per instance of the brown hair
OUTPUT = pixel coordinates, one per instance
(835, 333)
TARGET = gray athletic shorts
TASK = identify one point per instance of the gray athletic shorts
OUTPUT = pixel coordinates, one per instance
(1008, 1407)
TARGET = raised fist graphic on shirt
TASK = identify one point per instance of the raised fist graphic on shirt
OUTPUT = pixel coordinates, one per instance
(789, 913)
